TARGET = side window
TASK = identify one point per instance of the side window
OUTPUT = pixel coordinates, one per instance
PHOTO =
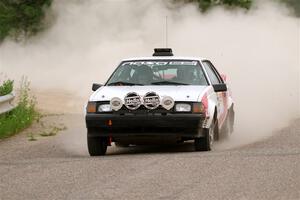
(211, 73)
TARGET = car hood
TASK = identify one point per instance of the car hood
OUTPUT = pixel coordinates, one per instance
(178, 93)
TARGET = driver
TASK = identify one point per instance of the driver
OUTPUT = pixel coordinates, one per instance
(143, 75)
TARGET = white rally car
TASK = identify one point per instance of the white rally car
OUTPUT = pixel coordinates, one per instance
(161, 98)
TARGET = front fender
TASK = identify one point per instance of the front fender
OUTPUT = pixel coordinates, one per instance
(209, 99)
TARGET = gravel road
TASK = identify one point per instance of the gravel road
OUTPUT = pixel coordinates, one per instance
(59, 167)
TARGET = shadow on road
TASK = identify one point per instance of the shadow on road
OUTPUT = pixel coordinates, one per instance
(151, 149)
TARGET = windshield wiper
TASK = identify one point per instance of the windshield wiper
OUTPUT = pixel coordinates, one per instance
(168, 83)
(123, 83)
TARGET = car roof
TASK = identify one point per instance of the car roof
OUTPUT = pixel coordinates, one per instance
(164, 58)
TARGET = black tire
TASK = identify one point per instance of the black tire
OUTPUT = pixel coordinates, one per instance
(201, 144)
(205, 143)
(97, 146)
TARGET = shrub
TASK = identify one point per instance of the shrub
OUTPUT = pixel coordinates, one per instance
(6, 87)
(205, 5)
(22, 18)
(22, 116)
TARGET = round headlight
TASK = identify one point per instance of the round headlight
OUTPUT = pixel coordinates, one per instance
(167, 103)
(116, 103)
(183, 107)
(104, 108)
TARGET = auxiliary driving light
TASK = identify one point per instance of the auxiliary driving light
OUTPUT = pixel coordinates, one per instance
(132, 101)
(116, 103)
(151, 100)
(167, 103)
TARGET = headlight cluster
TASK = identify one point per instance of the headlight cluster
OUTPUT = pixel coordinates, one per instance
(167, 102)
(190, 107)
(92, 107)
(183, 107)
(104, 108)
(115, 104)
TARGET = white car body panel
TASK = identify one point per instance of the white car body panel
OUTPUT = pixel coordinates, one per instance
(178, 93)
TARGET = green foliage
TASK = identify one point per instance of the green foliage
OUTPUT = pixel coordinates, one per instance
(293, 4)
(22, 116)
(6, 87)
(22, 18)
(204, 5)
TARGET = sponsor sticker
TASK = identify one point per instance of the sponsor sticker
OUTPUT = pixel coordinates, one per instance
(161, 63)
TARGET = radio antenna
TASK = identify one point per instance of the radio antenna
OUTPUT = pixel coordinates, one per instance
(166, 31)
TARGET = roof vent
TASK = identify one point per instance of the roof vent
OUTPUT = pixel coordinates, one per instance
(163, 52)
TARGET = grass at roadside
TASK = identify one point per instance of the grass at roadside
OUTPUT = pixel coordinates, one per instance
(22, 116)
(6, 87)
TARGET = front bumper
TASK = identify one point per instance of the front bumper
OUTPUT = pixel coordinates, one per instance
(179, 124)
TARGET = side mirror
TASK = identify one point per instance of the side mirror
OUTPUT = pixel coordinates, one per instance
(96, 86)
(220, 87)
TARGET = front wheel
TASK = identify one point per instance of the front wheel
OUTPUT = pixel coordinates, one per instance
(205, 143)
(97, 146)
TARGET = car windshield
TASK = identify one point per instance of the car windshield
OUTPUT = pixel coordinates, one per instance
(158, 72)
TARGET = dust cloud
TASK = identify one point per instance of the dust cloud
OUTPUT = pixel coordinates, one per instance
(258, 50)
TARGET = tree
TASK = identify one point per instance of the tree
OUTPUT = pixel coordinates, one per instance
(294, 4)
(21, 17)
(205, 5)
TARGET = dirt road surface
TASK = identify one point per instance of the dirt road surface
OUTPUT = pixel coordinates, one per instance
(59, 167)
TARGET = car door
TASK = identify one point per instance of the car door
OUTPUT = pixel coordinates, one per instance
(215, 79)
